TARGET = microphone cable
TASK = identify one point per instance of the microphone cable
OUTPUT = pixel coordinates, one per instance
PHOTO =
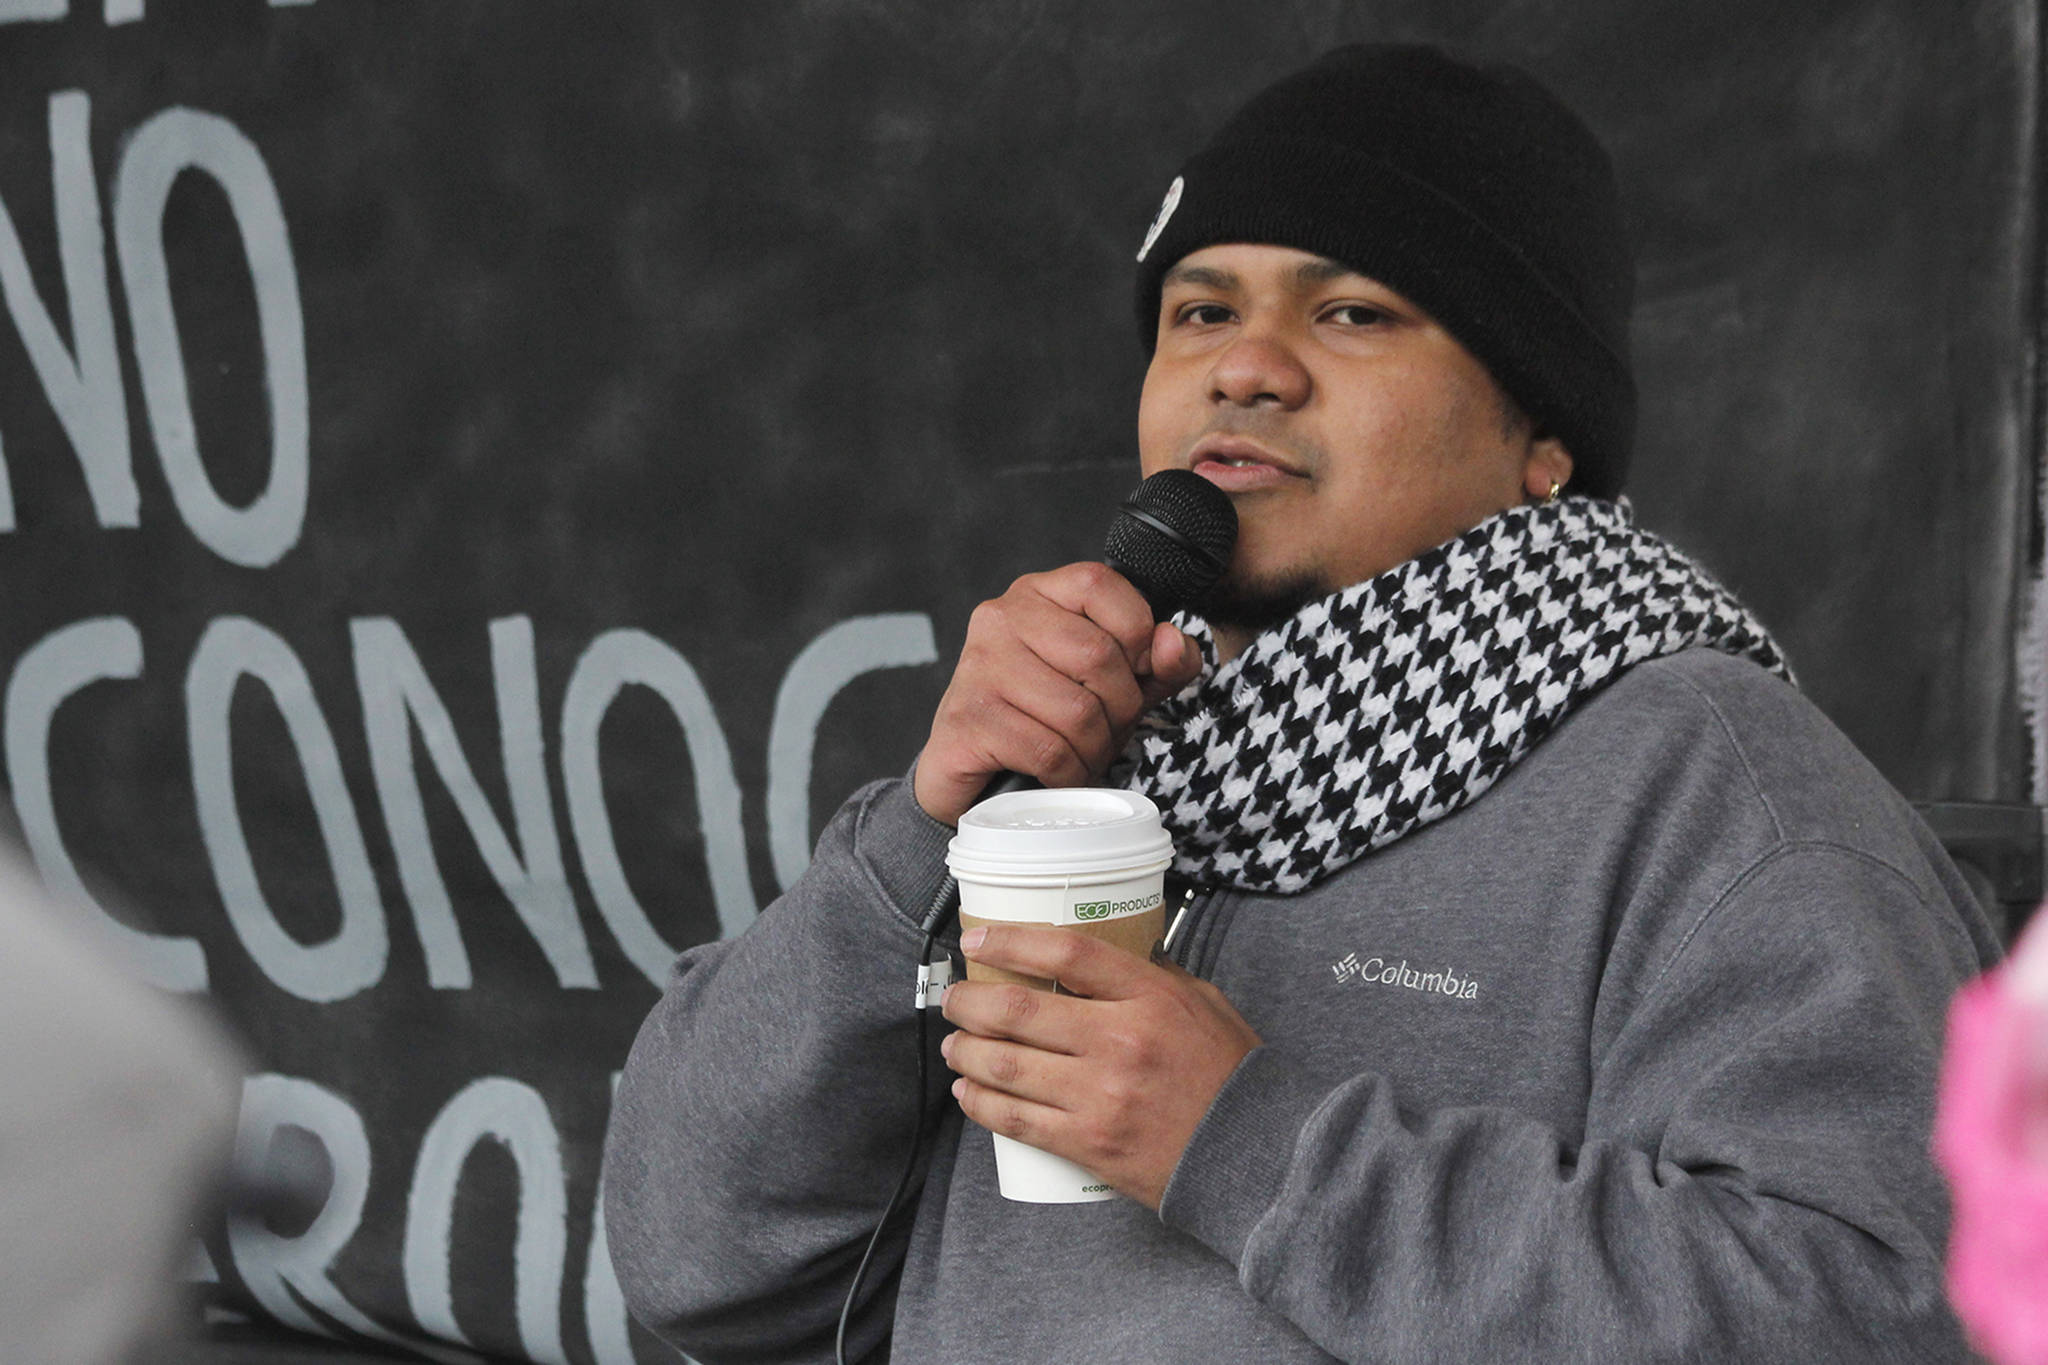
(944, 903)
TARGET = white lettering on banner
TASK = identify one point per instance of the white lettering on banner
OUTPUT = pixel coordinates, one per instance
(57, 666)
(604, 1304)
(613, 660)
(20, 11)
(514, 1114)
(72, 344)
(172, 142)
(838, 656)
(286, 1274)
(396, 696)
(353, 960)
(116, 12)
(84, 389)
(282, 1271)
(394, 686)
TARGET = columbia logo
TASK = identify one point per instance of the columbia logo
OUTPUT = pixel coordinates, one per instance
(1377, 971)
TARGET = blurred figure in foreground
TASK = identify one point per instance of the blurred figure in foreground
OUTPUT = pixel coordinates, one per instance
(117, 1109)
(1991, 1136)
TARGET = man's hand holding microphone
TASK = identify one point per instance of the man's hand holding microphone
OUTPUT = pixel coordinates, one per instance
(1050, 684)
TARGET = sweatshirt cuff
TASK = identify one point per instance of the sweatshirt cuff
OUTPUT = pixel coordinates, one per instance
(903, 848)
(1233, 1167)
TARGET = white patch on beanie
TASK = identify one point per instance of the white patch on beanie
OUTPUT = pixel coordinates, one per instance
(1166, 208)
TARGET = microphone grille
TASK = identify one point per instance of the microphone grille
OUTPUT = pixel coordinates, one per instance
(1173, 538)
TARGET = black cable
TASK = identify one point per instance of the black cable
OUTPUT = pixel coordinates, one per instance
(935, 919)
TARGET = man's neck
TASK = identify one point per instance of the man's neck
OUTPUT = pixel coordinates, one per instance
(1230, 641)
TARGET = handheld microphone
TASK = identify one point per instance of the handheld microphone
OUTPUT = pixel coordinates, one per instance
(1172, 538)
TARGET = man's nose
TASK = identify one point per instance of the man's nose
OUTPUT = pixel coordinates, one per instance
(1259, 369)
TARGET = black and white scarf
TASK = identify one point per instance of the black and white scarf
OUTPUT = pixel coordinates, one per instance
(1396, 701)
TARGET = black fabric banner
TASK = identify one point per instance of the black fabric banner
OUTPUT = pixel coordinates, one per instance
(479, 483)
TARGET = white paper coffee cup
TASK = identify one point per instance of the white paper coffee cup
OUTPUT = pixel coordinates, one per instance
(1092, 859)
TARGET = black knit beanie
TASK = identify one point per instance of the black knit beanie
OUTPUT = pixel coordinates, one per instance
(1473, 192)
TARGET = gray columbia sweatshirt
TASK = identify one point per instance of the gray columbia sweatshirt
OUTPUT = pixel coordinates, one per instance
(1632, 1059)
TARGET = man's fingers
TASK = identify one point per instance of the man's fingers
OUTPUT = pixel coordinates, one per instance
(1030, 1015)
(1077, 648)
(1040, 723)
(1069, 707)
(1083, 965)
(1002, 738)
(1028, 1121)
(1027, 1072)
(1176, 660)
(1107, 598)
(1070, 652)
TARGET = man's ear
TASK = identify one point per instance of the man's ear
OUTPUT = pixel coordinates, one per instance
(1548, 466)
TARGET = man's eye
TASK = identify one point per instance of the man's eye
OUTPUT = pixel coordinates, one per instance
(1201, 314)
(1357, 315)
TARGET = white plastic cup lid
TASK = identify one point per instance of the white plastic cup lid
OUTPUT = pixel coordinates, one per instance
(1074, 830)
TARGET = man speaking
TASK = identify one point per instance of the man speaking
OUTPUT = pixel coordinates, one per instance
(1552, 981)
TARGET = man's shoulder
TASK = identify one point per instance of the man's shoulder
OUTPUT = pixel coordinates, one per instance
(1713, 717)
(1692, 773)
(1784, 744)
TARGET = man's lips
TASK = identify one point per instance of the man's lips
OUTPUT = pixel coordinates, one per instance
(1236, 465)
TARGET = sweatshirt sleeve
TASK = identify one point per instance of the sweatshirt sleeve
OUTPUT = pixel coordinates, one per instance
(766, 1108)
(1753, 1181)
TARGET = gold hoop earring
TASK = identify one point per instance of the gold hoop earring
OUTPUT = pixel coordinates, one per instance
(1551, 496)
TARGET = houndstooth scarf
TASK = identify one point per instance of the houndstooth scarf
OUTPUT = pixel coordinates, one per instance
(1397, 700)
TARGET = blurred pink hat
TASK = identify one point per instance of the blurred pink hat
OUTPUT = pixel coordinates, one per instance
(1991, 1136)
